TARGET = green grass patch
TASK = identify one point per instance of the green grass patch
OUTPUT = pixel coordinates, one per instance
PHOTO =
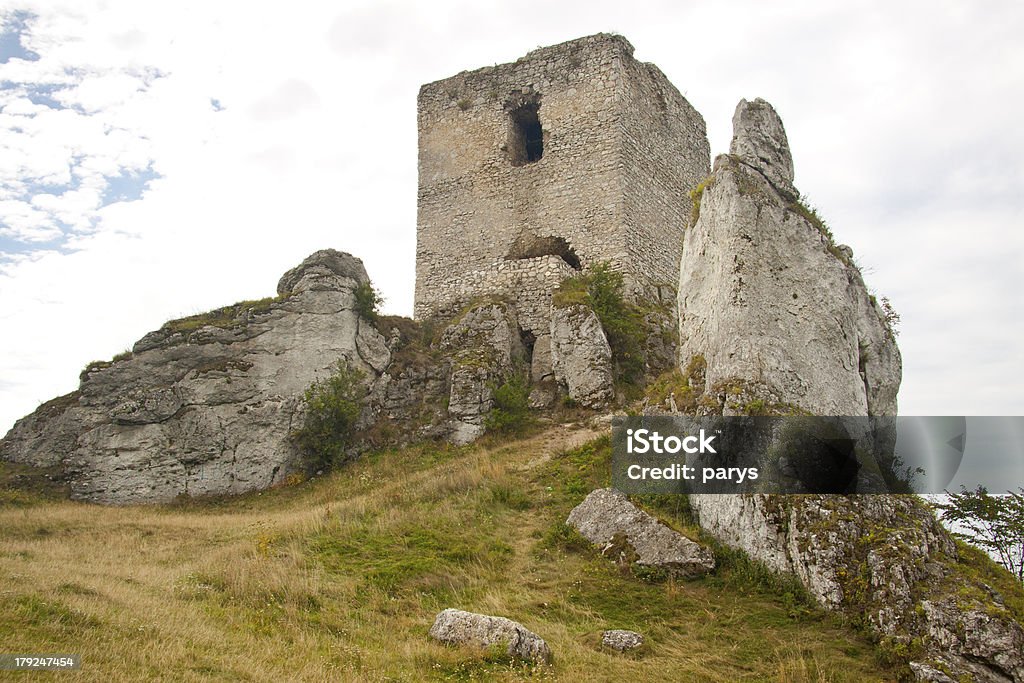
(572, 474)
(226, 317)
(36, 612)
(410, 556)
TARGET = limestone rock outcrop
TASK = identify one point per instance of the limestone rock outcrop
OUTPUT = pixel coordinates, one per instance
(884, 559)
(759, 140)
(607, 519)
(205, 404)
(456, 627)
(581, 356)
(780, 315)
(768, 299)
(484, 347)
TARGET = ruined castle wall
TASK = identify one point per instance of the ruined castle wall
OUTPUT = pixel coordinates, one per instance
(665, 155)
(621, 149)
(474, 203)
(526, 282)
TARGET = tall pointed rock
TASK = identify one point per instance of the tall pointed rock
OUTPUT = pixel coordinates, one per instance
(767, 297)
(780, 316)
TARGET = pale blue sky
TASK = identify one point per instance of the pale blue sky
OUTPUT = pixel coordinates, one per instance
(159, 159)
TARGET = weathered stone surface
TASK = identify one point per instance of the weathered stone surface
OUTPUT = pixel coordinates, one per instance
(541, 397)
(540, 360)
(44, 437)
(580, 355)
(928, 674)
(206, 405)
(768, 300)
(407, 402)
(813, 536)
(978, 639)
(526, 283)
(779, 313)
(759, 140)
(372, 348)
(456, 627)
(148, 407)
(607, 518)
(471, 398)
(622, 148)
(485, 349)
(883, 557)
(621, 641)
(321, 270)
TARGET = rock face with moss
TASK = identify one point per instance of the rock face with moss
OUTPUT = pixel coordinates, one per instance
(768, 298)
(206, 404)
(888, 564)
(777, 315)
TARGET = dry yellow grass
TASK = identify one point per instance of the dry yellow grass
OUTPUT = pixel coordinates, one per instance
(340, 578)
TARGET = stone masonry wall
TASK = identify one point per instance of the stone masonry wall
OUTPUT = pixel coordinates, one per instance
(621, 150)
(526, 282)
(665, 154)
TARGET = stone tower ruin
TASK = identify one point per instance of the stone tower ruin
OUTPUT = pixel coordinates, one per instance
(531, 171)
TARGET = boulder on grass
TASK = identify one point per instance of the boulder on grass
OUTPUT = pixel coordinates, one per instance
(456, 627)
(607, 518)
(621, 641)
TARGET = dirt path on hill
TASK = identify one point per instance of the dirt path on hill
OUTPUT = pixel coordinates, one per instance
(561, 438)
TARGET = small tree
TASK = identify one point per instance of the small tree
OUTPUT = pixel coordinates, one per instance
(891, 317)
(368, 301)
(332, 409)
(511, 411)
(993, 523)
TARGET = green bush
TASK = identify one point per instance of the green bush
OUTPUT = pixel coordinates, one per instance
(602, 289)
(511, 411)
(332, 409)
(368, 301)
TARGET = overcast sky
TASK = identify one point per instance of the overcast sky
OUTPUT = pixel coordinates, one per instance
(160, 159)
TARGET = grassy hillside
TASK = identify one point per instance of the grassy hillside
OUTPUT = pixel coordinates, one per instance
(340, 578)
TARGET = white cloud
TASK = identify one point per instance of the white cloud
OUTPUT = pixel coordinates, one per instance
(23, 222)
(901, 118)
(287, 100)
